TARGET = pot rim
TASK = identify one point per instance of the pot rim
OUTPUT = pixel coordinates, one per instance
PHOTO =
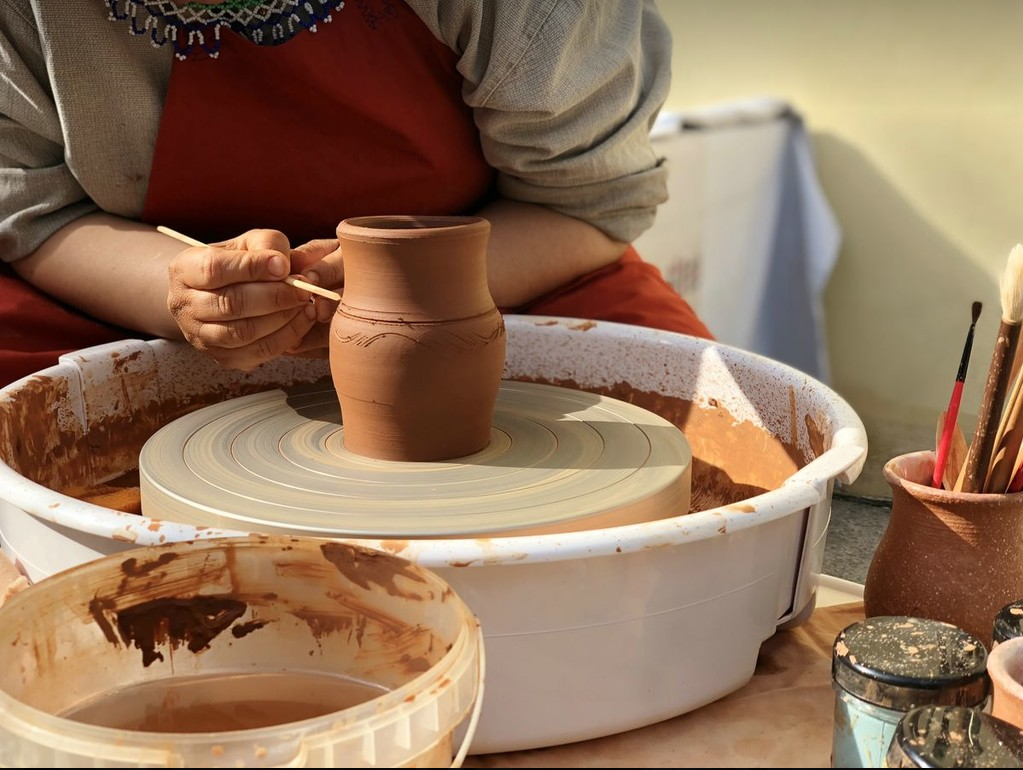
(927, 492)
(381, 227)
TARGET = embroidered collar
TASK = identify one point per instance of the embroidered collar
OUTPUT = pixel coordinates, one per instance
(196, 26)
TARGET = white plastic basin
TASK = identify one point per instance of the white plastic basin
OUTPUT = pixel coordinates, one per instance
(587, 633)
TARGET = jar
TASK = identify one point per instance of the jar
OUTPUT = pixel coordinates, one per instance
(883, 667)
(1008, 622)
(954, 736)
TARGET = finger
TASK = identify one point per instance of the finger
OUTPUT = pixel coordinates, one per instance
(310, 253)
(327, 269)
(215, 267)
(315, 342)
(320, 353)
(240, 345)
(235, 302)
(260, 240)
(325, 309)
(240, 333)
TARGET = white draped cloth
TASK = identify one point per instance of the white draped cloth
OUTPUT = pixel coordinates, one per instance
(747, 235)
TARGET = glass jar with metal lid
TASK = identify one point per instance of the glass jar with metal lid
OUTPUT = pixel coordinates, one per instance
(883, 667)
(954, 736)
(1008, 622)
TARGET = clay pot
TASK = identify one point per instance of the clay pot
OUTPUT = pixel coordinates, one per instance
(417, 345)
(1005, 669)
(950, 556)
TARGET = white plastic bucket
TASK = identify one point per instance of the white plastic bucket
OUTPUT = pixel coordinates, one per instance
(330, 614)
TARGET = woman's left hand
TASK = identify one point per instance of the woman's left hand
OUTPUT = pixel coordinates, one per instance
(320, 263)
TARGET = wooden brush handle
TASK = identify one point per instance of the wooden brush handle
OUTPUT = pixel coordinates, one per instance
(1007, 443)
(978, 459)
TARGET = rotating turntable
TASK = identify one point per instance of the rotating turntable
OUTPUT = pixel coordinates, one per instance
(559, 460)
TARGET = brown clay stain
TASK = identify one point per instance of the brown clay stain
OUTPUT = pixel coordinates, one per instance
(818, 442)
(192, 622)
(583, 326)
(98, 609)
(414, 664)
(132, 568)
(244, 629)
(364, 567)
(322, 623)
(51, 452)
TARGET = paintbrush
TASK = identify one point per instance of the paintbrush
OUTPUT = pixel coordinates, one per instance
(952, 414)
(1016, 484)
(291, 280)
(1007, 441)
(978, 458)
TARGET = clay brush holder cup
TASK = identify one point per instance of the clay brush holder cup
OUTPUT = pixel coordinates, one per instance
(950, 556)
(417, 345)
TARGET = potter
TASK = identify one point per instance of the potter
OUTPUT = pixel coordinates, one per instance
(417, 345)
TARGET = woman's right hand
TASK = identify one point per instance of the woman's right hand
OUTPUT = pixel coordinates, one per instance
(229, 299)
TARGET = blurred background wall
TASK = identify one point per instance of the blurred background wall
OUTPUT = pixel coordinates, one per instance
(914, 110)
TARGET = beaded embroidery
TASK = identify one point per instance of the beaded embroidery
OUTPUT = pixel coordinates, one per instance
(196, 26)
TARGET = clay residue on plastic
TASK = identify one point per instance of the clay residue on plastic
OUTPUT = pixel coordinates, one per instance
(119, 419)
(365, 567)
(818, 440)
(322, 623)
(121, 493)
(192, 622)
(244, 629)
(732, 460)
(46, 450)
(132, 568)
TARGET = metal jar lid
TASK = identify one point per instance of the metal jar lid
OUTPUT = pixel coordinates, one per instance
(900, 662)
(1008, 622)
(954, 736)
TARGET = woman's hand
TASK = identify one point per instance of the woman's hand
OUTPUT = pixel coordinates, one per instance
(230, 301)
(320, 263)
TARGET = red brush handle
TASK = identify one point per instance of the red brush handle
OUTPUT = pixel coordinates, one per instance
(946, 434)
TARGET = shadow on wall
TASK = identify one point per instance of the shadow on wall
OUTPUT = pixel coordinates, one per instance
(898, 309)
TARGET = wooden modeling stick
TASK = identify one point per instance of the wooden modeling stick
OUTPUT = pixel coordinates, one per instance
(1007, 442)
(291, 280)
(978, 459)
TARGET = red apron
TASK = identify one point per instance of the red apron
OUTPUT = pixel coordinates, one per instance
(364, 116)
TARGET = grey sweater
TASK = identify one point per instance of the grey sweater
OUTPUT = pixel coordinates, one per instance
(564, 93)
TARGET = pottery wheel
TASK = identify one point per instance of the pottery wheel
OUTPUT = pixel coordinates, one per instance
(558, 460)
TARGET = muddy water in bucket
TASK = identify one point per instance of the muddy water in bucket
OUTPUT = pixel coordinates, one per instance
(257, 652)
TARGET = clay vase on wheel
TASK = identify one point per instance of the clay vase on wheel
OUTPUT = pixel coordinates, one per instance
(945, 555)
(417, 345)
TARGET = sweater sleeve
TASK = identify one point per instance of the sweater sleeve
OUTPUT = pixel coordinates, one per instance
(565, 93)
(38, 193)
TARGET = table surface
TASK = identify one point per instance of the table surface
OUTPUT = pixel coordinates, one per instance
(783, 717)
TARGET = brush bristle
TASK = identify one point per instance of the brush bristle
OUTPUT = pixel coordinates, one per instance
(1011, 287)
(977, 306)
